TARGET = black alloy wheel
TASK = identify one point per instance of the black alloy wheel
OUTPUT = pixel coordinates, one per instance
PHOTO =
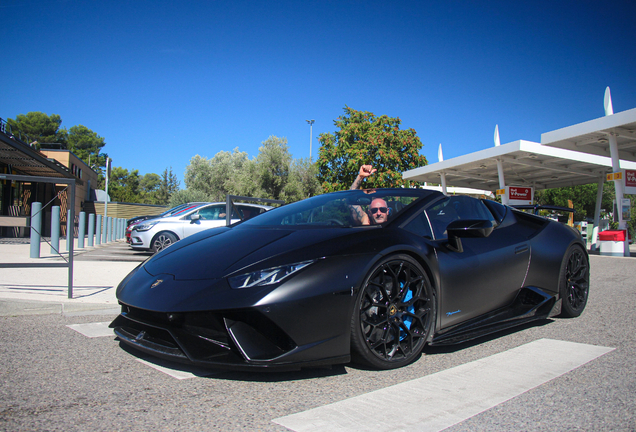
(162, 241)
(394, 314)
(574, 282)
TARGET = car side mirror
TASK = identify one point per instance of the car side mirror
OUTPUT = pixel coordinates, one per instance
(195, 217)
(467, 228)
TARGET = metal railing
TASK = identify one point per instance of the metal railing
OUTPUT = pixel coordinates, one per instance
(67, 263)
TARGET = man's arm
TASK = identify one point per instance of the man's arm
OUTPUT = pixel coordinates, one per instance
(365, 171)
(359, 215)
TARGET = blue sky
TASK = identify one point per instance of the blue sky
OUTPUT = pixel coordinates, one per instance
(163, 81)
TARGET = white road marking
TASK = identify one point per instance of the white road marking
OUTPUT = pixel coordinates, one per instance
(440, 400)
(91, 330)
(175, 370)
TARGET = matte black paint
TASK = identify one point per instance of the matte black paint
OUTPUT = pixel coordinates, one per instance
(507, 278)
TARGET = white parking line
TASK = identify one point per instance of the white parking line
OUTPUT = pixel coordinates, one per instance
(178, 371)
(91, 330)
(440, 400)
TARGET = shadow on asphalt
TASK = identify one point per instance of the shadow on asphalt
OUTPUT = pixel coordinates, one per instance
(257, 375)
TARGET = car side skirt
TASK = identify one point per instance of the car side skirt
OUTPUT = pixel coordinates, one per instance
(531, 304)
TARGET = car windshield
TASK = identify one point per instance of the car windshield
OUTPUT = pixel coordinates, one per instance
(342, 209)
(185, 208)
(173, 210)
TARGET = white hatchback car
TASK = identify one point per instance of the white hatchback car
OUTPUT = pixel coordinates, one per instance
(158, 234)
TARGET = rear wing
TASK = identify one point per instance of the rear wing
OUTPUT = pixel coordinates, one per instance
(536, 207)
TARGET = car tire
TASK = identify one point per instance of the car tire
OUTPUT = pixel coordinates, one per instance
(574, 282)
(162, 241)
(394, 314)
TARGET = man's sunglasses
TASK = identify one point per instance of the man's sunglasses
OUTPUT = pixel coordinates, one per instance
(374, 210)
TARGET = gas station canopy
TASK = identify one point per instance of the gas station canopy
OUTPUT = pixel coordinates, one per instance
(593, 136)
(575, 155)
(524, 163)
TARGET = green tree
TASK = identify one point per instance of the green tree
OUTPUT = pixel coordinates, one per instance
(362, 138)
(272, 167)
(87, 146)
(149, 185)
(39, 127)
(302, 181)
(184, 196)
(246, 181)
(169, 184)
(583, 198)
(217, 176)
(123, 186)
(273, 174)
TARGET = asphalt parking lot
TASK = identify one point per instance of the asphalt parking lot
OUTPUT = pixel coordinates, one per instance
(66, 371)
(119, 251)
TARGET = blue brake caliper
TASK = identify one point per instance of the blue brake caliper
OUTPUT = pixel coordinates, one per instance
(408, 319)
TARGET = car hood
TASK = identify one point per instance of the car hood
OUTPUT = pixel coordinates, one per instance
(190, 275)
(219, 252)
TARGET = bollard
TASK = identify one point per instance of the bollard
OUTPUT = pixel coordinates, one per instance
(70, 236)
(105, 230)
(55, 229)
(109, 224)
(98, 235)
(81, 230)
(91, 229)
(36, 228)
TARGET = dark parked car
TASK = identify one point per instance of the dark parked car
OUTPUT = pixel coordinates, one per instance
(306, 284)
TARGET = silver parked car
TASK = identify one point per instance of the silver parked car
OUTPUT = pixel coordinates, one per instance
(157, 234)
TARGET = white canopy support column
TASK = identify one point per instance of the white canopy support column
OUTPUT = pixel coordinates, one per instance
(500, 170)
(442, 175)
(502, 181)
(442, 178)
(597, 215)
(618, 189)
(616, 167)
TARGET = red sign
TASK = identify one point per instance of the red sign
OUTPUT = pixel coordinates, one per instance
(630, 178)
(520, 193)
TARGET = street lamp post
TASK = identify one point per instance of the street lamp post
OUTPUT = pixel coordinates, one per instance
(311, 125)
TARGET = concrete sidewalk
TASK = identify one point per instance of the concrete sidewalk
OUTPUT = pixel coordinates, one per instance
(44, 290)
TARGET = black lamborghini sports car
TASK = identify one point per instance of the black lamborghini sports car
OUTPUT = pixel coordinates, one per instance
(365, 275)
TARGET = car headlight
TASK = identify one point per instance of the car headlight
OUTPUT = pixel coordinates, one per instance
(145, 226)
(267, 276)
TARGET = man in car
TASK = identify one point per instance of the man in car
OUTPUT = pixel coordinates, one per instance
(378, 210)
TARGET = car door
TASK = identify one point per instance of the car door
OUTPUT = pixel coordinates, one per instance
(489, 271)
(207, 217)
